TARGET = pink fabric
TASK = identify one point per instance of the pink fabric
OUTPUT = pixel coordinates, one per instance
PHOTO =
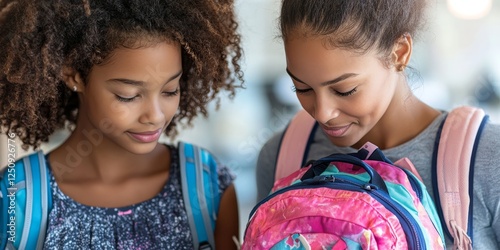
(310, 212)
(408, 165)
(287, 181)
(317, 212)
(294, 144)
(458, 134)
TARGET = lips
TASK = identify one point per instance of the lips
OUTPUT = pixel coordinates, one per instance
(336, 131)
(146, 137)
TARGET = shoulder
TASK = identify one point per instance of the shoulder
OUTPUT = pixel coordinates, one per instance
(491, 128)
(33, 159)
(193, 152)
(269, 150)
(486, 188)
(487, 157)
(489, 143)
(190, 152)
(490, 135)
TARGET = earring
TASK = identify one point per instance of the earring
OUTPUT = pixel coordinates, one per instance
(401, 67)
(75, 88)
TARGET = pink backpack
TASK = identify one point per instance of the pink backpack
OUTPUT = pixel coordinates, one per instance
(364, 201)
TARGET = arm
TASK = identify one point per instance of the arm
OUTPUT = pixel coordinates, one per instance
(227, 224)
(486, 198)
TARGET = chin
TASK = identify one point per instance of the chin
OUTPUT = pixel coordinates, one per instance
(142, 149)
(342, 142)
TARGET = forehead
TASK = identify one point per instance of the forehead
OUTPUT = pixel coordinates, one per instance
(141, 62)
(311, 59)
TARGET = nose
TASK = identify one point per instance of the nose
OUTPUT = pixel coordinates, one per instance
(325, 109)
(152, 112)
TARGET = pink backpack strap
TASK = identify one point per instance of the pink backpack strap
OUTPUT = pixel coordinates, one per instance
(408, 165)
(294, 144)
(454, 171)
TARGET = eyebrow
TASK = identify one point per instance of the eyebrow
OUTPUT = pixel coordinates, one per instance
(141, 83)
(330, 82)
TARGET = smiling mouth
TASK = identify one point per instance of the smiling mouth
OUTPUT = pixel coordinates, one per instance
(336, 131)
(146, 137)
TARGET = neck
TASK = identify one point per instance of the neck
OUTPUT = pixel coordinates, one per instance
(90, 156)
(405, 118)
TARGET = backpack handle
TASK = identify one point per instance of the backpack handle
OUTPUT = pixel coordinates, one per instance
(319, 166)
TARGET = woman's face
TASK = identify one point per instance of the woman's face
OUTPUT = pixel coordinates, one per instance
(347, 93)
(133, 96)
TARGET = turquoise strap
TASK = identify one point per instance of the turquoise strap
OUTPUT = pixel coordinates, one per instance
(197, 188)
(36, 211)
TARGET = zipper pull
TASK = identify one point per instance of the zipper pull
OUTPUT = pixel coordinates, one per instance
(370, 187)
(320, 179)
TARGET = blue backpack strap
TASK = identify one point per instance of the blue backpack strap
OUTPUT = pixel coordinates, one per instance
(26, 202)
(200, 190)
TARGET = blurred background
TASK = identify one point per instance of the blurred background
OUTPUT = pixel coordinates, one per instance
(456, 58)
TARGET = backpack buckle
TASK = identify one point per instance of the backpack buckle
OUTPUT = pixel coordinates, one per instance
(205, 246)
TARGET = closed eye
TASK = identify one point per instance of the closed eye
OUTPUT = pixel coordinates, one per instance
(348, 93)
(171, 93)
(300, 91)
(125, 99)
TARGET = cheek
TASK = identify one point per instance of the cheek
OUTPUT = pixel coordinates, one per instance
(107, 106)
(307, 102)
(303, 99)
(170, 106)
(112, 115)
(120, 110)
(359, 106)
(369, 107)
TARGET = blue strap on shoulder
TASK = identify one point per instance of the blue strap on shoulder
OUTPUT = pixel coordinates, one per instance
(200, 190)
(26, 202)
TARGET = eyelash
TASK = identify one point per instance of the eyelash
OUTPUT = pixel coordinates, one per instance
(299, 91)
(168, 94)
(123, 99)
(348, 93)
(343, 94)
(172, 93)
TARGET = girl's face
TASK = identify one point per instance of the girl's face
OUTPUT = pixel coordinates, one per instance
(133, 96)
(347, 93)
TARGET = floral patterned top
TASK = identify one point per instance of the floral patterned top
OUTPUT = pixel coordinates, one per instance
(158, 223)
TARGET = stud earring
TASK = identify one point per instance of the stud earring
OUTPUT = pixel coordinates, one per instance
(401, 67)
(75, 88)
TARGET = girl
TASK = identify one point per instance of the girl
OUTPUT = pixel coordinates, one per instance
(347, 60)
(120, 74)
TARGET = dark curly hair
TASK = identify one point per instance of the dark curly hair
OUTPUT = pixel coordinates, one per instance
(40, 37)
(357, 25)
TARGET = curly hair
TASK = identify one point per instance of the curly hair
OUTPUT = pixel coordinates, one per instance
(39, 38)
(357, 25)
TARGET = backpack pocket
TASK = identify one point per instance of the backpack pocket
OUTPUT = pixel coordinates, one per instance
(366, 204)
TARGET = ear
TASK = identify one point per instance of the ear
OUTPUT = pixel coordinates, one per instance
(73, 79)
(401, 52)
